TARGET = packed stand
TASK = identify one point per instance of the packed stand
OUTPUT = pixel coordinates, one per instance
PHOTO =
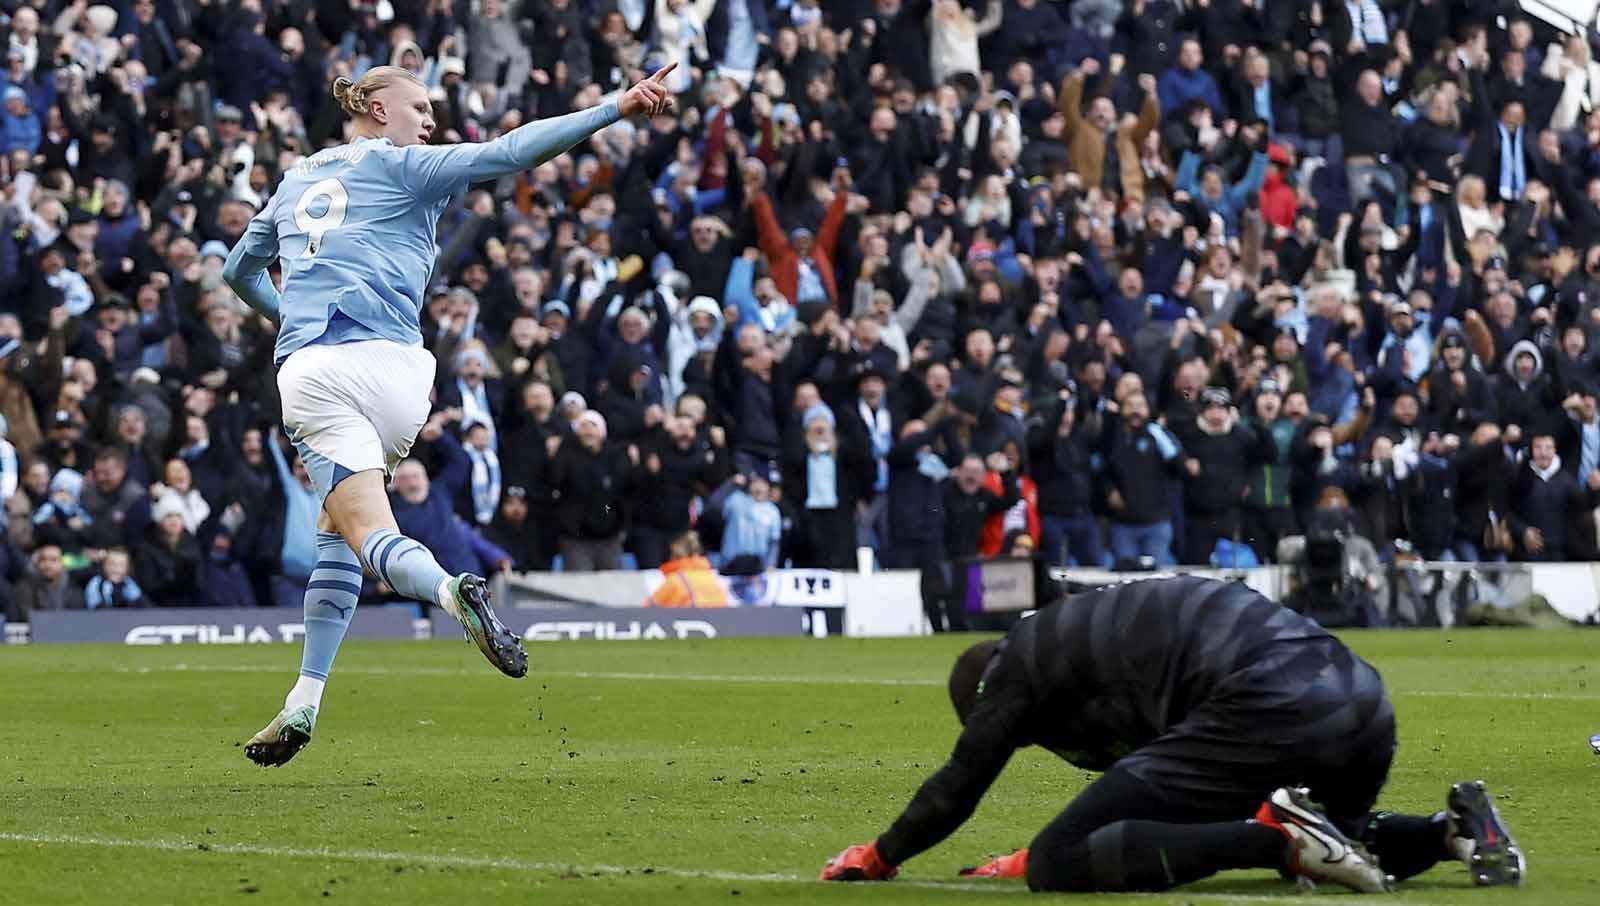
(1123, 283)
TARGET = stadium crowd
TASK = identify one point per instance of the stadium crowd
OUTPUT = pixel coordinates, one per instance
(1119, 281)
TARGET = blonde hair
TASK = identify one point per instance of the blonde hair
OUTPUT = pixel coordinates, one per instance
(355, 96)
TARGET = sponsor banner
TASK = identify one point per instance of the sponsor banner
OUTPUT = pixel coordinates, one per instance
(631, 624)
(209, 626)
(809, 588)
(1003, 585)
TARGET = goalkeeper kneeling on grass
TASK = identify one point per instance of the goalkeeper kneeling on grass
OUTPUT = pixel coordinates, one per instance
(1232, 732)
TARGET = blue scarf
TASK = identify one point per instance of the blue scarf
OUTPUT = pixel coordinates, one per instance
(475, 408)
(931, 466)
(878, 428)
(809, 286)
(1513, 167)
(485, 483)
(822, 482)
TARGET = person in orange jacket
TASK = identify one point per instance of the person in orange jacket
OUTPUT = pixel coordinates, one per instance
(687, 578)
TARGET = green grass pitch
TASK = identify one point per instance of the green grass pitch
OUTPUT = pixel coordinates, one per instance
(677, 772)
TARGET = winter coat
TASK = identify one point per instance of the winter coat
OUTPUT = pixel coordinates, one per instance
(1178, 86)
(591, 490)
(682, 345)
(665, 496)
(519, 541)
(1278, 202)
(1531, 404)
(19, 133)
(171, 575)
(1140, 465)
(1086, 145)
(1226, 458)
(226, 582)
(966, 514)
(119, 517)
(622, 408)
(1547, 501)
(1061, 466)
(1454, 412)
(34, 593)
(916, 500)
(1022, 515)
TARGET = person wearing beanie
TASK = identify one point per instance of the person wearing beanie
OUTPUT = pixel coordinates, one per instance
(169, 565)
(827, 474)
(591, 480)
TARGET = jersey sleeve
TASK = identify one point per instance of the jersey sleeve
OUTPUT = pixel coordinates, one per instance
(435, 171)
(245, 271)
(260, 239)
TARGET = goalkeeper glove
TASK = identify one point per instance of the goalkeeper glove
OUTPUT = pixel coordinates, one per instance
(1012, 866)
(859, 863)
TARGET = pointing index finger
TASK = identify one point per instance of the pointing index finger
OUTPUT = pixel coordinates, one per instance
(661, 73)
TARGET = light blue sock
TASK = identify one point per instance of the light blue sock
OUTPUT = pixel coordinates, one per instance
(330, 603)
(404, 565)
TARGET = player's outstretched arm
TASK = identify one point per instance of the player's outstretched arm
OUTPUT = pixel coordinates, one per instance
(434, 171)
(245, 271)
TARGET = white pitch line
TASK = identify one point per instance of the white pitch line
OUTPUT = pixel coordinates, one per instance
(753, 679)
(559, 868)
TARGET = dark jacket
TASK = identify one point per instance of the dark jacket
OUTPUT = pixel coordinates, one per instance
(1368, 129)
(1226, 460)
(1430, 494)
(1548, 504)
(119, 518)
(171, 576)
(590, 490)
(1483, 156)
(664, 497)
(520, 541)
(226, 582)
(1140, 471)
(1428, 148)
(33, 593)
(622, 407)
(1481, 488)
(1316, 105)
(1529, 404)
(966, 513)
(1061, 466)
(1454, 412)
(916, 501)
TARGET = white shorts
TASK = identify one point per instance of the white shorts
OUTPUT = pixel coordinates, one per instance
(352, 407)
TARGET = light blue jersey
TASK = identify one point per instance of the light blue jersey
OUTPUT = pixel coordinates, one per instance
(354, 228)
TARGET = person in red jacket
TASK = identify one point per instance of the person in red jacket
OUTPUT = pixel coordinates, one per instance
(1021, 516)
(802, 263)
(1277, 196)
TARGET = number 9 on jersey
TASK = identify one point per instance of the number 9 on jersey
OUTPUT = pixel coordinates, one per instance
(317, 225)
